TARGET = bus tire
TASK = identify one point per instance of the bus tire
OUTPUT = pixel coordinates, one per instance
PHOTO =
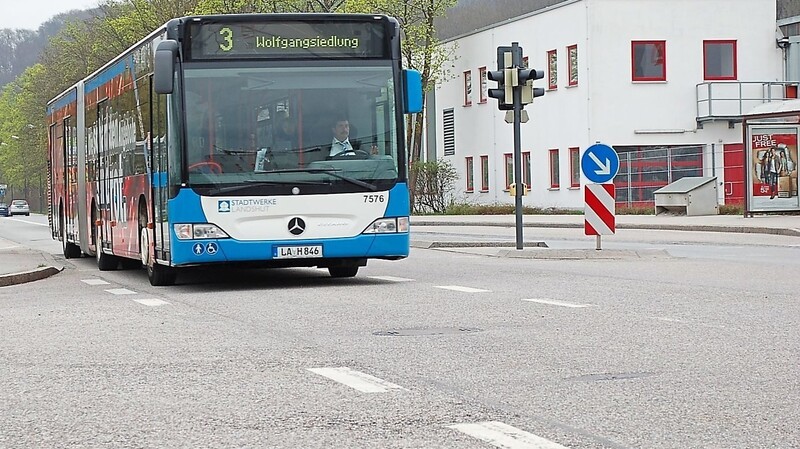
(158, 275)
(344, 271)
(105, 262)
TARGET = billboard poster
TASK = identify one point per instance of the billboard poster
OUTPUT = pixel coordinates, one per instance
(773, 164)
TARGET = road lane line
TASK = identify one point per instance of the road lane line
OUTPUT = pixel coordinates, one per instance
(391, 278)
(356, 379)
(121, 291)
(94, 281)
(152, 302)
(502, 435)
(553, 302)
(29, 222)
(459, 288)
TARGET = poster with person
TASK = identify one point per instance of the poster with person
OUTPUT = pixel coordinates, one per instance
(773, 168)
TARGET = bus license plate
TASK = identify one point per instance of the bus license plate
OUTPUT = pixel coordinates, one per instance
(293, 252)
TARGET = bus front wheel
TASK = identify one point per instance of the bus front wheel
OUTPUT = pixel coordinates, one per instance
(344, 271)
(158, 275)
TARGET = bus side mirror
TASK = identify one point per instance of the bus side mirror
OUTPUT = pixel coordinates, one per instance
(164, 73)
(412, 90)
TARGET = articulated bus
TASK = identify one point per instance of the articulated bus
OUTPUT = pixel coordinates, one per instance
(211, 142)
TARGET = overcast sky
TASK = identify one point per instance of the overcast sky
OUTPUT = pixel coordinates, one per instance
(30, 14)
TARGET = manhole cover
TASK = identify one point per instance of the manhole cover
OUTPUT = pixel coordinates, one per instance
(427, 331)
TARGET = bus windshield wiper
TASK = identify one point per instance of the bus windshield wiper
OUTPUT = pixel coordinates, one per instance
(328, 171)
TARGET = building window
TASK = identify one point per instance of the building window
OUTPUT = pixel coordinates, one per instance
(468, 88)
(484, 173)
(508, 159)
(719, 60)
(555, 182)
(649, 60)
(552, 70)
(526, 168)
(470, 170)
(574, 167)
(449, 124)
(572, 57)
(484, 84)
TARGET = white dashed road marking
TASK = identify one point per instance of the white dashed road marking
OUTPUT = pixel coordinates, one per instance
(356, 379)
(459, 288)
(502, 435)
(553, 302)
(121, 291)
(94, 281)
(152, 302)
(391, 278)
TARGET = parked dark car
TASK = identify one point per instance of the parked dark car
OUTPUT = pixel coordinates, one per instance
(3, 210)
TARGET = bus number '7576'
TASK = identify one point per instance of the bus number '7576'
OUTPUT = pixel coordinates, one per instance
(374, 198)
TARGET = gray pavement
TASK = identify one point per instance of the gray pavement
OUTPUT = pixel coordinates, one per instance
(20, 264)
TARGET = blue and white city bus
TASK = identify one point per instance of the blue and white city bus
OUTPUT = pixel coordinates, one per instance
(212, 141)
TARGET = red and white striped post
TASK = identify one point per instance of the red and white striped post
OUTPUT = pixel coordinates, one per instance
(599, 218)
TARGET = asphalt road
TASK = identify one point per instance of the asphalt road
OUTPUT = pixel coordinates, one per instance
(450, 348)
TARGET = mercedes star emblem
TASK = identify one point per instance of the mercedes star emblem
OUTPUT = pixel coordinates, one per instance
(297, 226)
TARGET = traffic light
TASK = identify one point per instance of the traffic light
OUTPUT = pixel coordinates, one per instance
(503, 75)
(526, 78)
(503, 93)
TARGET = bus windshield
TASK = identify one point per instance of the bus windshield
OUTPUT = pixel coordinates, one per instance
(259, 127)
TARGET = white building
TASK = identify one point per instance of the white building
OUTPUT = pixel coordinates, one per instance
(664, 82)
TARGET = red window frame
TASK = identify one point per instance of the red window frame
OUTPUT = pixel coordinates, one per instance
(555, 179)
(470, 173)
(660, 60)
(572, 65)
(552, 70)
(706, 44)
(484, 85)
(484, 173)
(508, 163)
(574, 167)
(526, 168)
(468, 88)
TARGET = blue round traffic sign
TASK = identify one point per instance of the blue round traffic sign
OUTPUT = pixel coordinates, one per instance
(600, 163)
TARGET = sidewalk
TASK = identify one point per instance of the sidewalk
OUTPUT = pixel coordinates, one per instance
(19, 264)
(762, 224)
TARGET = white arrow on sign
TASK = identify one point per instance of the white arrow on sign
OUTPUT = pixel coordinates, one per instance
(604, 168)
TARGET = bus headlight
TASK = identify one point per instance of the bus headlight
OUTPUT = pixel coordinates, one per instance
(188, 231)
(387, 226)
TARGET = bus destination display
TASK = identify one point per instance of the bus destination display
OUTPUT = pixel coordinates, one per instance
(287, 40)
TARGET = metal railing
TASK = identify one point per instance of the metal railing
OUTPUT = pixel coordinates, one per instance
(727, 100)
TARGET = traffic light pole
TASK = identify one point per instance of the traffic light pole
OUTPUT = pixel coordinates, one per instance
(515, 90)
(517, 62)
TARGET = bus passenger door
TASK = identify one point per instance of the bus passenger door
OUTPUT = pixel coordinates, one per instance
(103, 197)
(158, 181)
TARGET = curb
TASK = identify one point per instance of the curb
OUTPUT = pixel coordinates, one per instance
(705, 228)
(29, 276)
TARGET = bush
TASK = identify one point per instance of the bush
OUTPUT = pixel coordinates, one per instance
(433, 186)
